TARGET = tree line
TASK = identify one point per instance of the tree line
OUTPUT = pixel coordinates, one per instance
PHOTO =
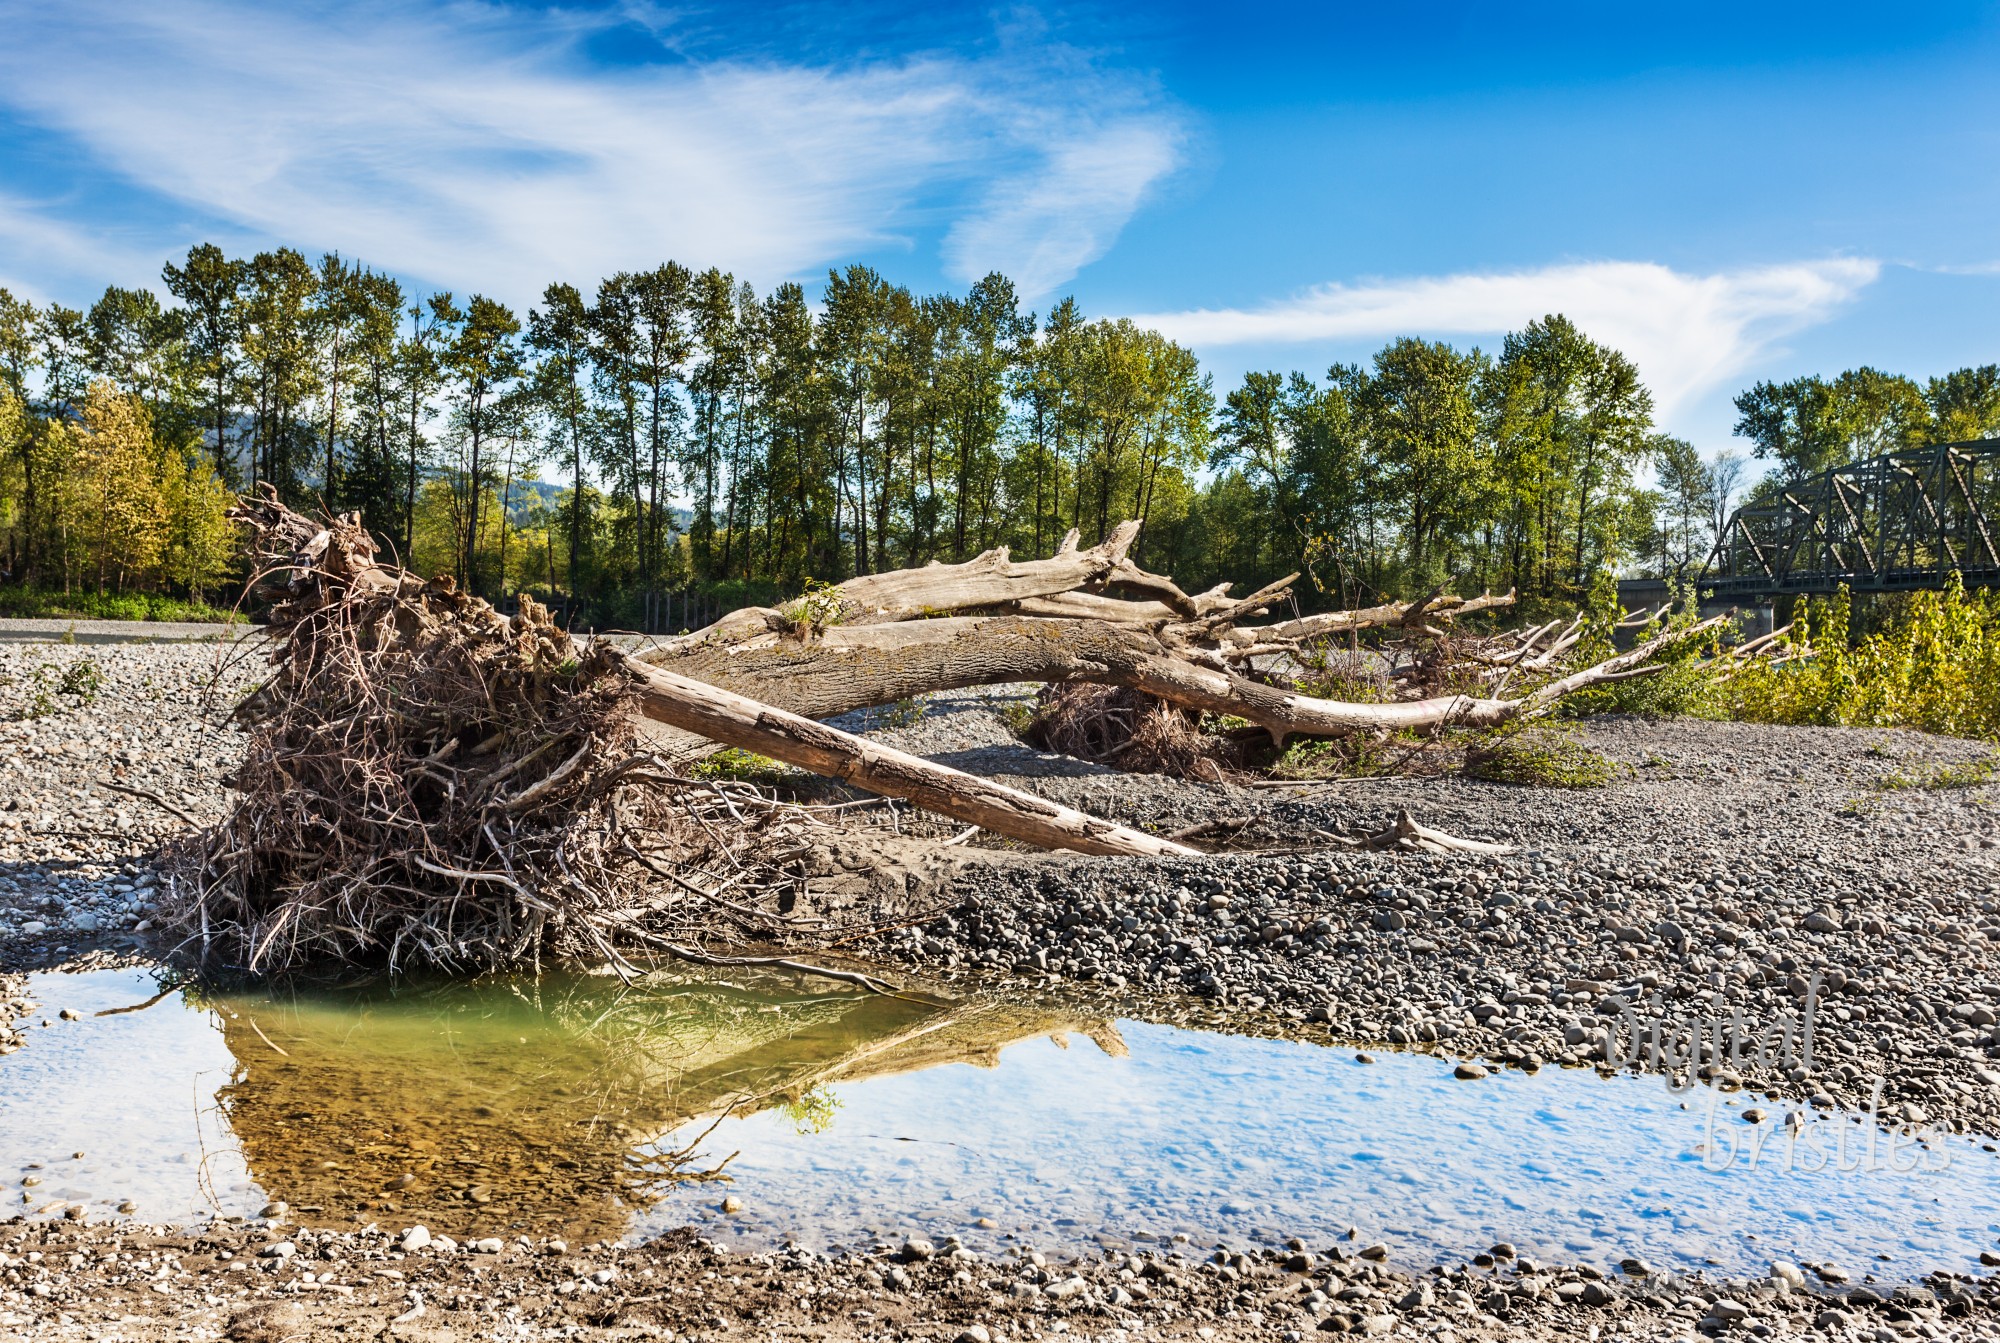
(672, 429)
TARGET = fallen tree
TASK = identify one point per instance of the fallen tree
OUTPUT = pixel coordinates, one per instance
(430, 782)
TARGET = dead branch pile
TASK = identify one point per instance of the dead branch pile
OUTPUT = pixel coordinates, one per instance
(428, 782)
(1138, 733)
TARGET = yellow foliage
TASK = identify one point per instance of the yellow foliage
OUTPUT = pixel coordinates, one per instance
(123, 511)
(1934, 666)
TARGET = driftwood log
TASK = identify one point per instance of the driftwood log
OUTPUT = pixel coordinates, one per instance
(429, 782)
(992, 621)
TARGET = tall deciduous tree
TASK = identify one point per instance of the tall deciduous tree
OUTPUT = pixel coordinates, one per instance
(482, 361)
(207, 284)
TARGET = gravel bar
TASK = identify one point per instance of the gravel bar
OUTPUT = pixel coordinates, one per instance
(1734, 874)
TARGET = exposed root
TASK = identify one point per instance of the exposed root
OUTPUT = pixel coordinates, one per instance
(1134, 732)
(429, 784)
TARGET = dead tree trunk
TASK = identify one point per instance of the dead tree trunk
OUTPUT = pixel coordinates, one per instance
(723, 716)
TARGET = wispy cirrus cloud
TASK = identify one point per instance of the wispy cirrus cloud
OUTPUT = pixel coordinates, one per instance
(469, 144)
(1687, 333)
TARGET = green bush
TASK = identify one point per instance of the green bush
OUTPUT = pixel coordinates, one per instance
(1686, 685)
(1933, 664)
(1540, 758)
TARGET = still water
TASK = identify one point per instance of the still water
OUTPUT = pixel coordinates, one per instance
(582, 1107)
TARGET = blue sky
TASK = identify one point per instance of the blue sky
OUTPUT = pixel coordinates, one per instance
(1725, 192)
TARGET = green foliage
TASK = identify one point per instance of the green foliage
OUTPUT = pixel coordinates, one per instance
(1018, 715)
(714, 443)
(744, 767)
(812, 1110)
(1687, 683)
(1542, 758)
(1933, 664)
(819, 607)
(1938, 778)
(34, 604)
(903, 713)
(52, 682)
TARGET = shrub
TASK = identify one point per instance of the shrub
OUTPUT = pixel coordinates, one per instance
(1934, 664)
(1540, 758)
(1687, 683)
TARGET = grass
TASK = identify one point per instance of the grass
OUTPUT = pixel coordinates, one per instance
(39, 604)
(1938, 778)
(1540, 759)
(50, 683)
(745, 767)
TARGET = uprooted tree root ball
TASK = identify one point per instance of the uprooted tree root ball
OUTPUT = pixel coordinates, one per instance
(428, 783)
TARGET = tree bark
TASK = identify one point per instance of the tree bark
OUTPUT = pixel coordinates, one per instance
(847, 668)
(735, 720)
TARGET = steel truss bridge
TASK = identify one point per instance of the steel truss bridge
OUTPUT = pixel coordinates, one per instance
(1893, 523)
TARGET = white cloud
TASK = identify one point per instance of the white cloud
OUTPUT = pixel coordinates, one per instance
(472, 146)
(37, 245)
(1687, 333)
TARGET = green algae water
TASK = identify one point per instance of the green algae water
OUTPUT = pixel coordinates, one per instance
(590, 1109)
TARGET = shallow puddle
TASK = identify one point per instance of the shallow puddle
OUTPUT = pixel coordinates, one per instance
(580, 1107)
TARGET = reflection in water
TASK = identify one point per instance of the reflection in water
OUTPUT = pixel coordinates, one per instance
(538, 1105)
(570, 1106)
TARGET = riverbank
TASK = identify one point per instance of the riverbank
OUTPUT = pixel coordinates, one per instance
(1747, 875)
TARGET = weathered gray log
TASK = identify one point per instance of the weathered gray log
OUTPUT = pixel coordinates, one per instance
(737, 720)
(852, 668)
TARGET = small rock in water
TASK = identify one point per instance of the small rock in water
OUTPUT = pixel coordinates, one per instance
(1753, 1115)
(985, 1223)
(1377, 1251)
(732, 1204)
(1364, 1058)
(128, 1207)
(70, 1014)
(1468, 1072)
(275, 1209)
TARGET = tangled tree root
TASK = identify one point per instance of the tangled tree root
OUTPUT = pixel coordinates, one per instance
(429, 784)
(1132, 731)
